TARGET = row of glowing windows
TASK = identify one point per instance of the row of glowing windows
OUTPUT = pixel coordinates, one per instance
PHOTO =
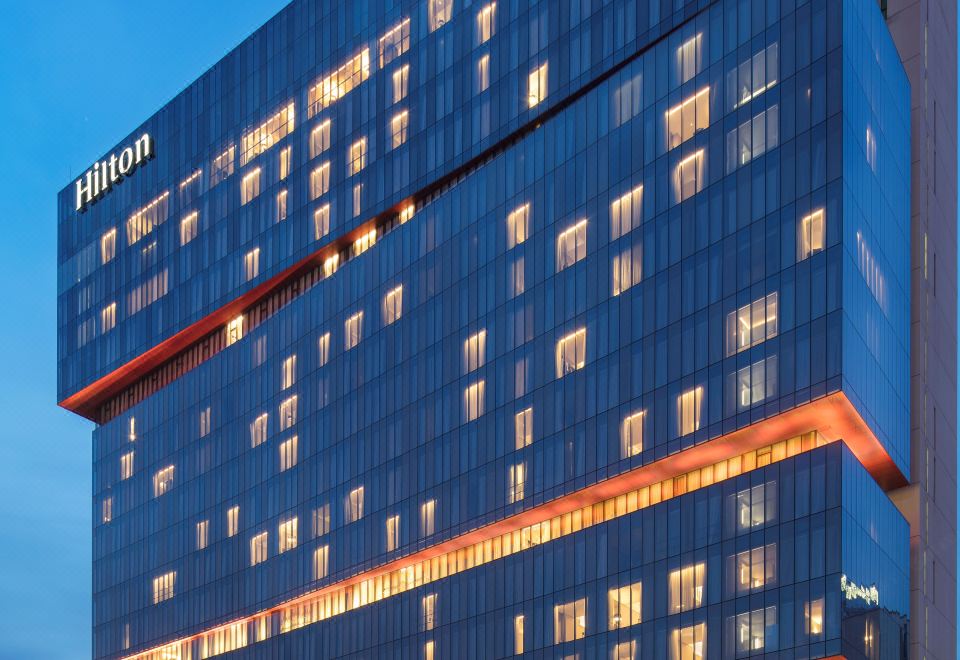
(750, 569)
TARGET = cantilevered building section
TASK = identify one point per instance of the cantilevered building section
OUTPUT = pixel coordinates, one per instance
(452, 329)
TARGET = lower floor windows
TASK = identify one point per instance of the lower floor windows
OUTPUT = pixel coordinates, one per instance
(813, 617)
(754, 569)
(624, 606)
(752, 631)
(686, 587)
(320, 559)
(258, 548)
(570, 621)
(756, 383)
(163, 587)
(689, 642)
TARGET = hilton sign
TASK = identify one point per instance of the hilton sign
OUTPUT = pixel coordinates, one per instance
(100, 178)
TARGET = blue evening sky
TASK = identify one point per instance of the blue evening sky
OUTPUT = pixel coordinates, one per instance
(76, 76)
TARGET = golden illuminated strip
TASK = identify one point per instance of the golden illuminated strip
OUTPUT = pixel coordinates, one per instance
(472, 550)
(190, 179)
(267, 134)
(334, 86)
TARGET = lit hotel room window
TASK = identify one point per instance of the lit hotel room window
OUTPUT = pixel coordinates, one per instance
(330, 264)
(428, 512)
(163, 481)
(753, 569)
(756, 506)
(486, 22)
(258, 430)
(285, 162)
(106, 510)
(518, 482)
(288, 372)
(357, 158)
(393, 532)
(287, 535)
(624, 606)
(523, 428)
(756, 382)
(205, 421)
(203, 536)
(222, 166)
(188, 228)
(625, 651)
(320, 180)
(439, 11)
(364, 243)
(572, 245)
(475, 351)
(108, 246)
(473, 401)
(163, 587)
(321, 562)
(754, 76)
(320, 138)
(483, 73)
(428, 609)
(811, 234)
(400, 80)
(250, 186)
(631, 434)
(288, 412)
(688, 176)
(627, 268)
(518, 634)
(813, 617)
(288, 453)
(334, 86)
(132, 429)
(251, 264)
(393, 305)
(233, 520)
(281, 205)
(398, 129)
(570, 621)
(126, 465)
(686, 587)
(357, 192)
(516, 278)
(354, 505)
(323, 349)
(235, 330)
(687, 117)
(394, 43)
(352, 329)
(753, 138)
(753, 323)
(267, 134)
(518, 225)
(571, 352)
(144, 220)
(428, 649)
(258, 548)
(537, 85)
(108, 317)
(689, 405)
(689, 642)
(749, 630)
(688, 58)
(321, 520)
(626, 212)
(321, 222)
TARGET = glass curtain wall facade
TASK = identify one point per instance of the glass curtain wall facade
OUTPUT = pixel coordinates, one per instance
(445, 329)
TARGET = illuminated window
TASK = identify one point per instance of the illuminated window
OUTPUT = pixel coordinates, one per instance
(688, 178)
(689, 405)
(439, 11)
(756, 506)
(393, 305)
(518, 482)
(357, 158)
(428, 609)
(756, 382)
(281, 205)
(106, 510)
(516, 278)
(143, 221)
(336, 85)
(475, 351)
(235, 330)
(357, 191)
(428, 649)
(250, 186)
(686, 587)
(571, 352)
(686, 118)
(570, 621)
(518, 225)
(400, 83)
(320, 138)
(251, 264)
(233, 520)
(627, 100)
(750, 630)
(203, 534)
(352, 328)
(486, 22)
(321, 558)
(473, 401)
(287, 535)
(753, 323)
(288, 453)
(754, 569)
(288, 372)
(624, 651)
(753, 138)
(627, 268)
(398, 129)
(518, 634)
(126, 465)
(572, 245)
(321, 520)
(354, 505)
(108, 317)
(258, 548)
(483, 73)
(267, 134)
(285, 162)
(688, 58)
(288, 412)
(523, 428)
(321, 222)
(163, 587)
(871, 149)
(205, 421)
(365, 242)
(537, 85)
(394, 43)
(132, 430)
(222, 166)
(163, 481)
(393, 532)
(689, 642)
(811, 231)
(323, 349)
(754, 76)
(626, 212)
(624, 606)
(320, 180)
(330, 264)
(188, 228)
(631, 434)
(108, 246)
(813, 617)
(428, 517)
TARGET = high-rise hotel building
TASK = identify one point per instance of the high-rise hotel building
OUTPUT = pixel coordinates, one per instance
(566, 328)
